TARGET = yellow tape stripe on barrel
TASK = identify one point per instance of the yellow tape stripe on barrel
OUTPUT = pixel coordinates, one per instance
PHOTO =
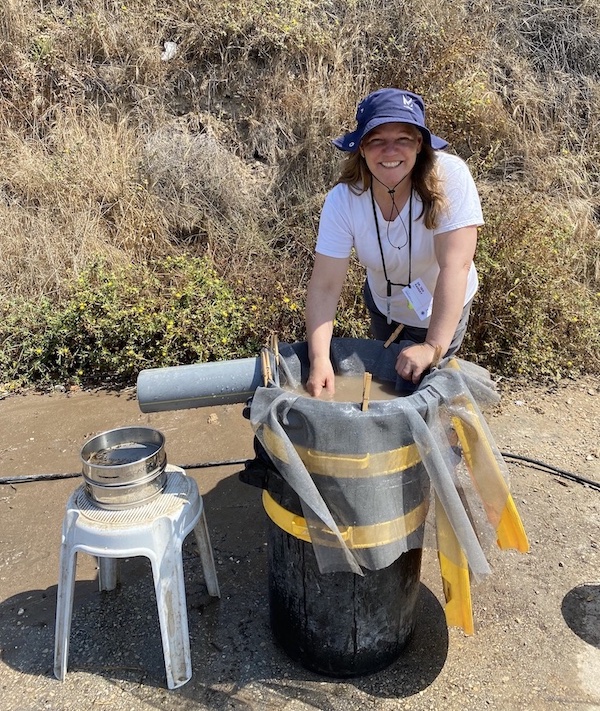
(378, 534)
(346, 465)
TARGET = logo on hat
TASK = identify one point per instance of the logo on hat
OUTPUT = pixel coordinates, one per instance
(408, 102)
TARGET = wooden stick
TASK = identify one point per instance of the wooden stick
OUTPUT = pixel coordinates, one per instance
(367, 377)
(394, 335)
(265, 367)
(274, 341)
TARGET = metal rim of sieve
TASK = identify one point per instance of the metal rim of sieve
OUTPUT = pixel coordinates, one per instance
(142, 469)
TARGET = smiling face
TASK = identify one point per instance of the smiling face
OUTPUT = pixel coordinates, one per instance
(390, 151)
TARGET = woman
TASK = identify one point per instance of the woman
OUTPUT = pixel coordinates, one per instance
(411, 214)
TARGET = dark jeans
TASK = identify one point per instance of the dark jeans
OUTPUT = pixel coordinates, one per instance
(381, 330)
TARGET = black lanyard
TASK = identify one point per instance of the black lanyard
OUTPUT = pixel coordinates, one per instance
(390, 284)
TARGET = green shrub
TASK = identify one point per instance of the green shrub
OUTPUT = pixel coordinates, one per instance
(532, 318)
(114, 323)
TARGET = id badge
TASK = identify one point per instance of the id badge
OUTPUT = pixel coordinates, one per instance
(419, 298)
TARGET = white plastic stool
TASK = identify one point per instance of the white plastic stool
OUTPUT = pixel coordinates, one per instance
(155, 530)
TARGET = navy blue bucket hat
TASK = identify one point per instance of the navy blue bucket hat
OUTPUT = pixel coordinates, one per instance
(388, 106)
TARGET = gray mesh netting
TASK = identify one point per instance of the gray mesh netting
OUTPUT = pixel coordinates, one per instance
(365, 478)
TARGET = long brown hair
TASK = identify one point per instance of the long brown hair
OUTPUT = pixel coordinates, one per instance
(425, 179)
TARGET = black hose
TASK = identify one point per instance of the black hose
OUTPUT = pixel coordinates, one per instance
(204, 465)
(35, 477)
(49, 477)
(554, 470)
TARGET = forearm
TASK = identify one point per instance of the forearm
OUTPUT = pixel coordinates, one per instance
(454, 253)
(322, 298)
(448, 304)
(448, 299)
(320, 313)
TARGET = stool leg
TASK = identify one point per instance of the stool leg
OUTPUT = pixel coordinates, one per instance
(169, 584)
(64, 609)
(108, 573)
(206, 556)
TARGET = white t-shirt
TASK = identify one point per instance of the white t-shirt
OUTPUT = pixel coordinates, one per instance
(347, 222)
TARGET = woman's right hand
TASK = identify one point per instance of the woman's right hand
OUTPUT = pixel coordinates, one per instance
(321, 377)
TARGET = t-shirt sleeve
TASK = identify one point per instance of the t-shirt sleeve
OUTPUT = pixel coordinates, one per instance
(463, 204)
(335, 238)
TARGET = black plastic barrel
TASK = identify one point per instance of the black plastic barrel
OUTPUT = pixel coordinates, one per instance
(338, 624)
(369, 474)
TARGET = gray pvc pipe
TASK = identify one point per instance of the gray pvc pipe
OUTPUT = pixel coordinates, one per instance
(200, 385)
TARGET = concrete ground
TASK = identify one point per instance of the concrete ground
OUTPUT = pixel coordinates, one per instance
(537, 639)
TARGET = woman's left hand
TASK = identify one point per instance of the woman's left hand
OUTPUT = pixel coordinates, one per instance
(414, 360)
(454, 252)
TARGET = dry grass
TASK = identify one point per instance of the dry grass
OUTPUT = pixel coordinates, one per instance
(72, 196)
(223, 151)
